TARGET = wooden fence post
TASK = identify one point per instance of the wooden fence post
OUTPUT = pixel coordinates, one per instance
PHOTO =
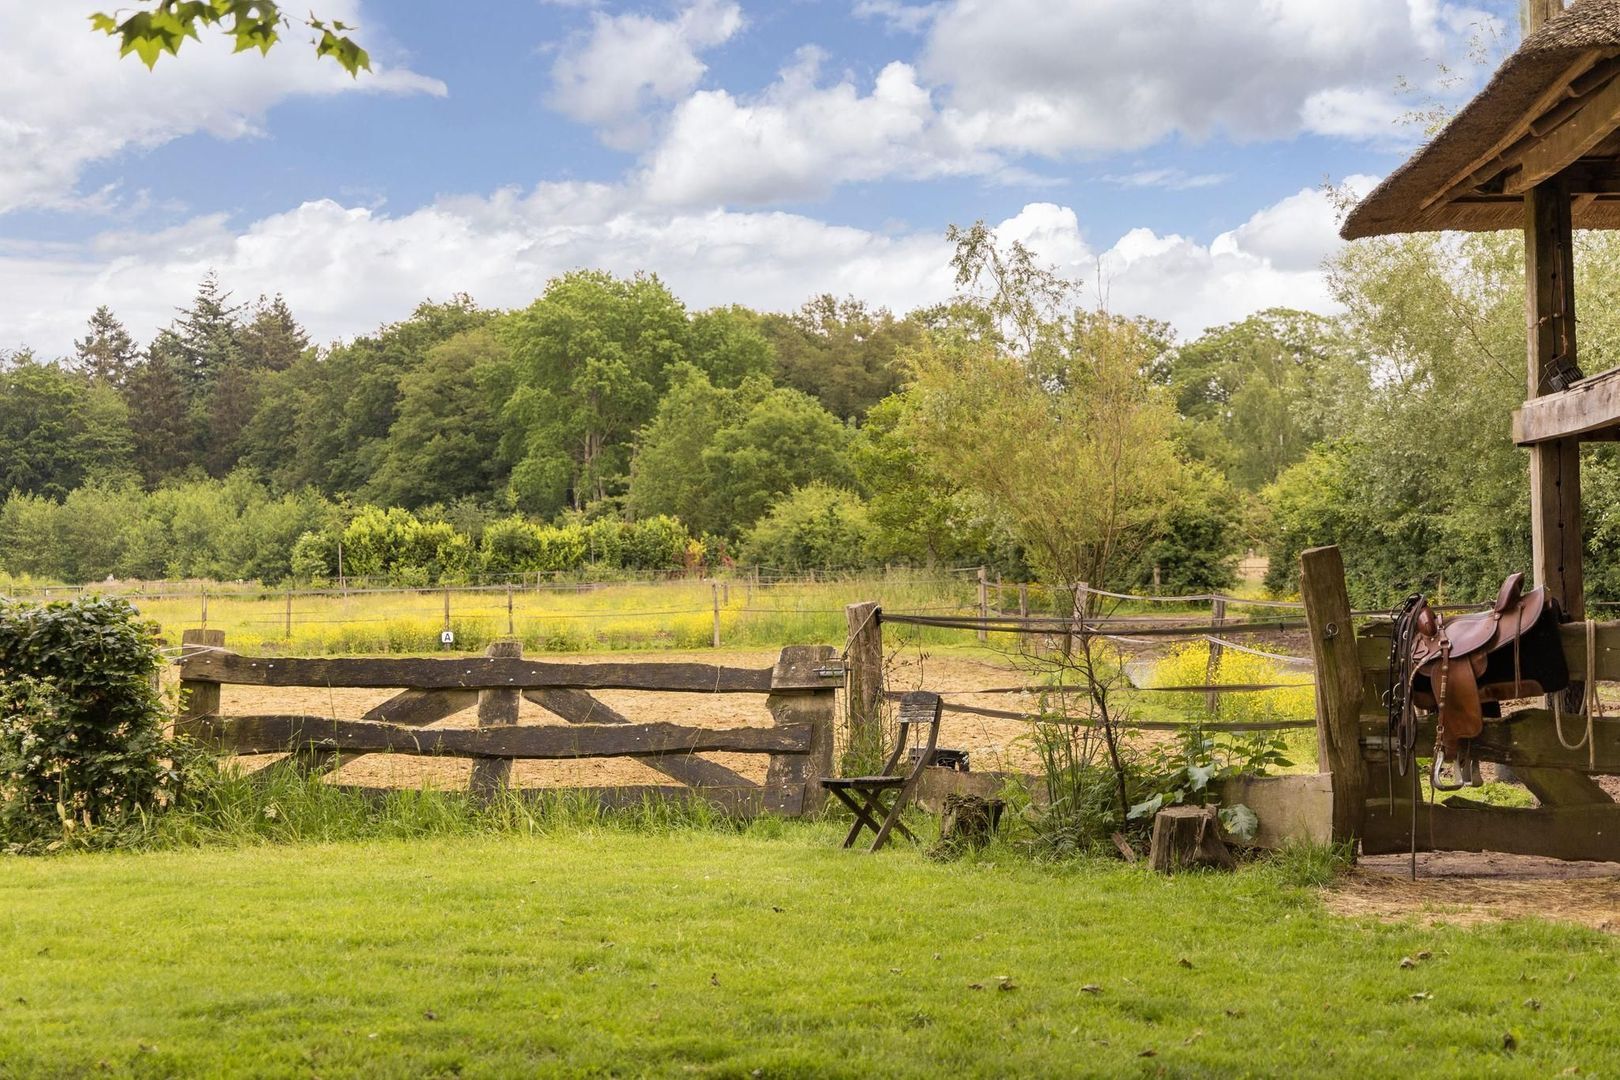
(447, 607)
(199, 700)
(984, 603)
(802, 693)
(204, 623)
(864, 663)
(714, 586)
(496, 708)
(1023, 601)
(511, 630)
(1338, 686)
(289, 616)
(1212, 698)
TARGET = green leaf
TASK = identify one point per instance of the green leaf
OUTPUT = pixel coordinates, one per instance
(1145, 809)
(1240, 821)
(104, 22)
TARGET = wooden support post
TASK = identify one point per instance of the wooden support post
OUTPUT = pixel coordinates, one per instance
(1156, 579)
(204, 623)
(1338, 686)
(714, 587)
(1534, 14)
(984, 603)
(511, 630)
(447, 607)
(289, 616)
(864, 664)
(1023, 601)
(199, 700)
(1212, 698)
(496, 708)
(1555, 467)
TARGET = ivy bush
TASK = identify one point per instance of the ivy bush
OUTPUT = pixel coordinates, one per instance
(82, 749)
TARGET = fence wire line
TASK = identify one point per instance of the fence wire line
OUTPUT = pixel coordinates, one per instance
(1302, 662)
(1091, 627)
(1137, 725)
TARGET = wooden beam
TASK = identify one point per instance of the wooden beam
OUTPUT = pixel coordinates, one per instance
(1590, 407)
(497, 708)
(1571, 140)
(578, 707)
(1555, 467)
(199, 699)
(473, 673)
(1507, 148)
(1525, 739)
(1338, 685)
(418, 708)
(271, 734)
(1569, 832)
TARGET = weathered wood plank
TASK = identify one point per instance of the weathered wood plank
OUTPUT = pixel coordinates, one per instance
(472, 673)
(1562, 146)
(199, 701)
(578, 707)
(1525, 739)
(497, 708)
(807, 667)
(276, 733)
(1338, 685)
(1563, 787)
(792, 781)
(1589, 407)
(418, 708)
(865, 697)
(1567, 832)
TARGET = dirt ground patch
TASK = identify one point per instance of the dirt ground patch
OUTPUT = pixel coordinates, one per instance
(992, 743)
(1469, 888)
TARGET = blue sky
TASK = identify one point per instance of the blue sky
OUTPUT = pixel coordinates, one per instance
(748, 151)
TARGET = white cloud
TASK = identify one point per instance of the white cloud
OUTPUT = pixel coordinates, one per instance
(1169, 179)
(347, 269)
(800, 138)
(629, 63)
(999, 81)
(899, 17)
(67, 101)
(1249, 69)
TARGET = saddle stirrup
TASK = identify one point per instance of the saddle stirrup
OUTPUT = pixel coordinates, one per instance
(1460, 767)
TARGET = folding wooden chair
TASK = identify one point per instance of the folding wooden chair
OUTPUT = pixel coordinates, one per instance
(864, 795)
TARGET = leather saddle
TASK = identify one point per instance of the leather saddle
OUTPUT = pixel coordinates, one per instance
(1463, 668)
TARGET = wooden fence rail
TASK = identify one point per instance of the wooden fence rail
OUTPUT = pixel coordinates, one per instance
(799, 694)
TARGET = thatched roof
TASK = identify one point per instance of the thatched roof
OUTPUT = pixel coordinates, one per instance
(1555, 102)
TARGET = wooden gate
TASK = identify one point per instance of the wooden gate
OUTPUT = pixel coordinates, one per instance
(799, 694)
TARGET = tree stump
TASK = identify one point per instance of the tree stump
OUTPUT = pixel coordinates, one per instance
(969, 821)
(1185, 836)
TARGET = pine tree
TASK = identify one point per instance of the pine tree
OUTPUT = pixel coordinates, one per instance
(205, 338)
(272, 338)
(107, 353)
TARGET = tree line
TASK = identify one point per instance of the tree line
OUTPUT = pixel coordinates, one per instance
(608, 425)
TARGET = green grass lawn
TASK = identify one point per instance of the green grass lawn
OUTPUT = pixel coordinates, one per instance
(768, 953)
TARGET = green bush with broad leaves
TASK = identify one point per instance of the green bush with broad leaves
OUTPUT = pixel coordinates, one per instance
(83, 757)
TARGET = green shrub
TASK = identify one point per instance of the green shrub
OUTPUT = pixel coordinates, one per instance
(82, 752)
(655, 543)
(818, 527)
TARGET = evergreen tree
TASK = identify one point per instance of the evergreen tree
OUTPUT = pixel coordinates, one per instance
(107, 353)
(272, 339)
(205, 338)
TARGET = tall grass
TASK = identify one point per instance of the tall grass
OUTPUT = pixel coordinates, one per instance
(279, 805)
(592, 618)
